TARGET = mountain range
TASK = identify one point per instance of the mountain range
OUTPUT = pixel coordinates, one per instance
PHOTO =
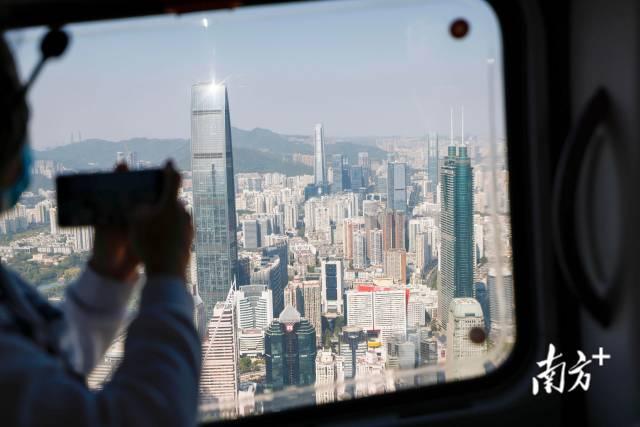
(257, 150)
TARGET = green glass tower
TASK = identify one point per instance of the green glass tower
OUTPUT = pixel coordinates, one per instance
(456, 229)
(290, 350)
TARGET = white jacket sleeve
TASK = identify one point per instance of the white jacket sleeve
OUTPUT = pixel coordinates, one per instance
(94, 308)
(155, 385)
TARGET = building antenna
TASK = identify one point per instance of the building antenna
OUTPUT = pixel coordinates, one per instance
(462, 126)
(451, 126)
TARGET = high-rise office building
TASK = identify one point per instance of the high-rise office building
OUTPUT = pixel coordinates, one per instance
(423, 252)
(254, 306)
(360, 249)
(290, 351)
(349, 227)
(365, 163)
(279, 249)
(250, 342)
(244, 271)
(397, 186)
(269, 273)
(401, 353)
(395, 265)
(376, 247)
(251, 230)
(264, 229)
(312, 306)
(214, 211)
(394, 235)
(464, 356)
(375, 308)
(501, 307)
(319, 165)
(306, 296)
(390, 312)
(220, 378)
(353, 344)
(329, 377)
(340, 172)
(331, 279)
(456, 230)
(357, 177)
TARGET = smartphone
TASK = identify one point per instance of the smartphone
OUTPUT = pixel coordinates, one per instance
(106, 198)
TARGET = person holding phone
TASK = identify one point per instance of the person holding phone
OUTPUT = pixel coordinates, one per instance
(46, 352)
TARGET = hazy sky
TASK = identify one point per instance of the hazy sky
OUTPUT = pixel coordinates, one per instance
(362, 68)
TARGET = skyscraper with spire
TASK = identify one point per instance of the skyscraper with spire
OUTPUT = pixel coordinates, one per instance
(319, 165)
(214, 210)
(456, 228)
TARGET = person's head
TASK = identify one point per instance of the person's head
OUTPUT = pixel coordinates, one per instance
(13, 127)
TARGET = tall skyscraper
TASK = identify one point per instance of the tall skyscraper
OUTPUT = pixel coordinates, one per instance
(365, 163)
(319, 166)
(290, 351)
(220, 378)
(394, 234)
(360, 249)
(376, 247)
(338, 167)
(397, 186)
(279, 249)
(432, 165)
(456, 228)
(214, 210)
(357, 178)
(331, 275)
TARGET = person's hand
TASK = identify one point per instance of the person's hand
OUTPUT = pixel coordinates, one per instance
(162, 234)
(113, 255)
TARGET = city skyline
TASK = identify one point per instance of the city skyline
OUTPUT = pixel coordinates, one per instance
(338, 281)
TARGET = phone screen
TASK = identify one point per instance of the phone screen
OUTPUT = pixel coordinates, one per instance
(105, 198)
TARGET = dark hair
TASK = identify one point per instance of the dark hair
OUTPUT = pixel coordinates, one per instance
(13, 107)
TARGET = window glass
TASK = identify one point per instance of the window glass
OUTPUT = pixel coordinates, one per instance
(345, 164)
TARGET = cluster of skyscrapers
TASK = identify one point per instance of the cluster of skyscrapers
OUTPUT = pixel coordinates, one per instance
(342, 279)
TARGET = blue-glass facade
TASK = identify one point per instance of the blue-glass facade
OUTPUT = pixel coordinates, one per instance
(290, 351)
(397, 186)
(214, 211)
(331, 274)
(481, 294)
(281, 250)
(456, 230)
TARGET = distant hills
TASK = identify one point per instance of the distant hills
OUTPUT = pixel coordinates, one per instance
(257, 150)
